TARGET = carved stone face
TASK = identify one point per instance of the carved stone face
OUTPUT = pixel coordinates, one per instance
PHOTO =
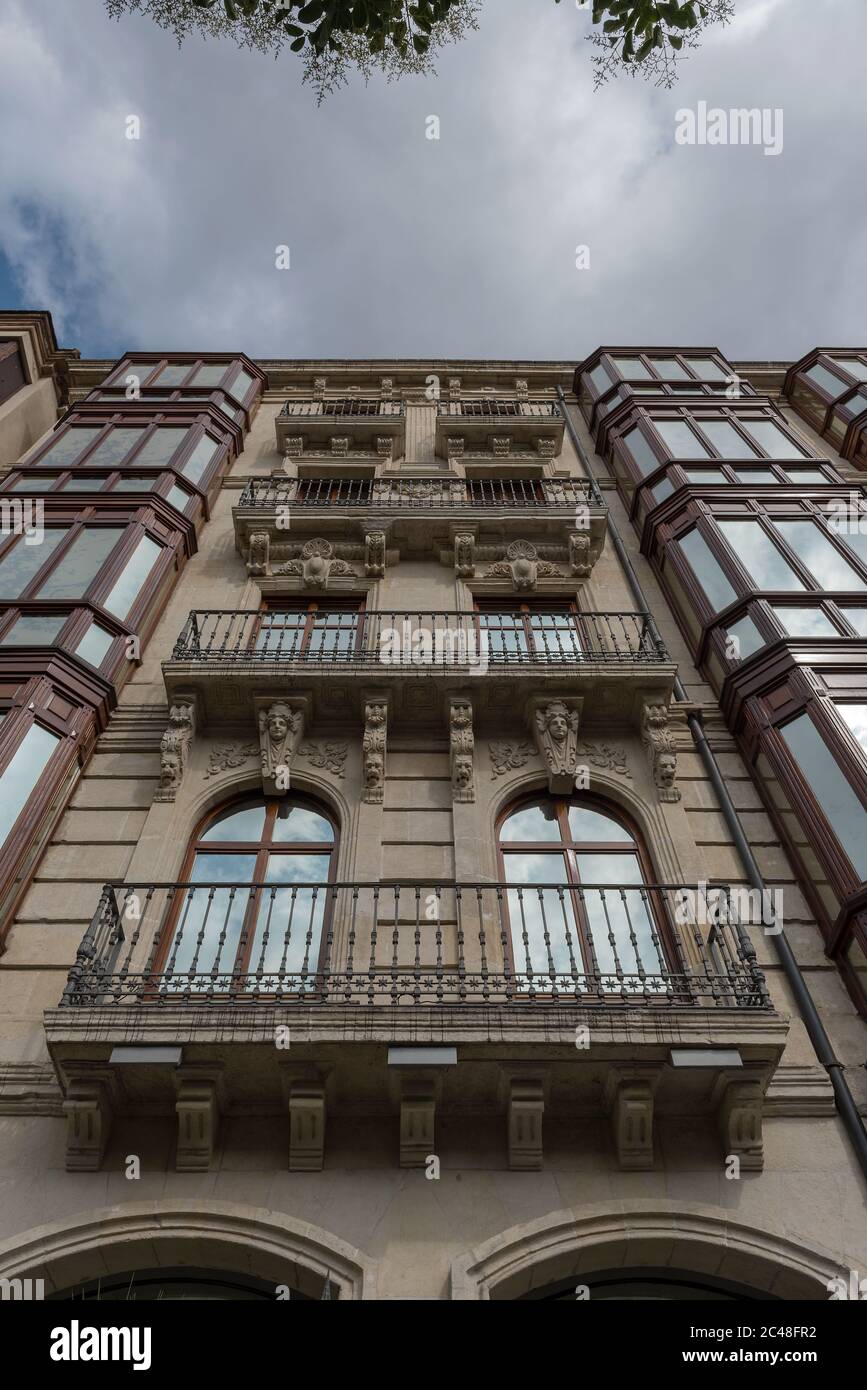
(558, 727)
(170, 769)
(376, 714)
(373, 770)
(278, 725)
(461, 716)
(463, 773)
(666, 769)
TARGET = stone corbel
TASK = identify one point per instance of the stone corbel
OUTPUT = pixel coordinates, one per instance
(174, 748)
(454, 389)
(657, 740)
(525, 1109)
(462, 744)
(307, 1115)
(739, 1104)
(374, 554)
(629, 1093)
(89, 1110)
(455, 446)
(281, 725)
(522, 390)
(417, 1120)
(258, 553)
(373, 747)
(385, 447)
(198, 1110)
(464, 545)
(554, 724)
(546, 448)
(340, 445)
(319, 383)
(293, 448)
(501, 445)
(386, 388)
(583, 553)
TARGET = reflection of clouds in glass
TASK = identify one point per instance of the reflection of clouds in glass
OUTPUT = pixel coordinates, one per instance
(300, 824)
(531, 824)
(856, 718)
(246, 822)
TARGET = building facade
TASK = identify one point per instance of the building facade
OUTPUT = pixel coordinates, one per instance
(433, 823)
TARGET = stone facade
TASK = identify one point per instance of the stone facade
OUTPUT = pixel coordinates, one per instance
(312, 1154)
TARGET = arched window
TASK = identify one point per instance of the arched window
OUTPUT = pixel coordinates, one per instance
(253, 908)
(579, 916)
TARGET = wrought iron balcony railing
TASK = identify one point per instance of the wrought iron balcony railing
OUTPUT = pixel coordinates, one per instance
(343, 408)
(419, 640)
(605, 945)
(499, 409)
(422, 494)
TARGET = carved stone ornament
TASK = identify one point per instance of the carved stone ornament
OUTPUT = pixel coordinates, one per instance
(257, 556)
(374, 554)
(465, 566)
(555, 726)
(331, 756)
(506, 755)
(656, 737)
(340, 445)
(605, 755)
(546, 448)
(316, 564)
(373, 750)
(455, 447)
(523, 566)
(174, 747)
(583, 554)
(462, 748)
(384, 446)
(281, 727)
(230, 755)
(293, 446)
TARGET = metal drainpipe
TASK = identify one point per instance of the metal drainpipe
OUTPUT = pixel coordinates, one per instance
(843, 1097)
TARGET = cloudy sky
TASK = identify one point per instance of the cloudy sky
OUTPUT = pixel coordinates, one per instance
(401, 245)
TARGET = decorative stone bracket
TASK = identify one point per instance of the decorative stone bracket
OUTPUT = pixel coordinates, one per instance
(89, 1112)
(373, 745)
(657, 740)
(417, 1120)
(374, 554)
(554, 724)
(523, 566)
(462, 745)
(198, 1110)
(583, 552)
(174, 748)
(281, 725)
(629, 1096)
(316, 563)
(525, 1109)
(739, 1101)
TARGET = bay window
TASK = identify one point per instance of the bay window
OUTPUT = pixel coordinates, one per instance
(21, 774)
(765, 564)
(136, 570)
(834, 794)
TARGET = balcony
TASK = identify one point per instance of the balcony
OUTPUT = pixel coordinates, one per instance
(227, 660)
(500, 428)
(417, 1000)
(420, 516)
(351, 425)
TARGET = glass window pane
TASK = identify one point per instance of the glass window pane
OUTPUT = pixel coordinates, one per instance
(34, 485)
(759, 556)
(177, 497)
(814, 550)
(706, 369)
(747, 636)
(135, 485)
(662, 490)
(591, 826)
(532, 824)
(21, 774)
(300, 824)
(289, 920)
(115, 446)
(160, 446)
(854, 366)
(632, 368)
(825, 380)
(854, 535)
(856, 717)
(680, 441)
(136, 570)
(773, 440)
(755, 476)
(806, 622)
(858, 618)
(623, 915)
(70, 445)
(728, 443)
(601, 380)
(537, 912)
(173, 373)
(199, 460)
(94, 645)
(244, 823)
(669, 369)
(641, 451)
(19, 565)
(32, 630)
(210, 374)
(79, 484)
(208, 928)
(707, 570)
(241, 384)
(79, 566)
(805, 475)
(835, 796)
(706, 475)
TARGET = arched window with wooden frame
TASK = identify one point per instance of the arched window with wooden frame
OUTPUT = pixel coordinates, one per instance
(582, 918)
(252, 913)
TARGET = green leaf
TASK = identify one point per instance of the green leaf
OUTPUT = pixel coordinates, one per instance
(297, 44)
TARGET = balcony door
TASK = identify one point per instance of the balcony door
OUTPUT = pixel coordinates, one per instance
(580, 917)
(252, 914)
(531, 632)
(310, 631)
